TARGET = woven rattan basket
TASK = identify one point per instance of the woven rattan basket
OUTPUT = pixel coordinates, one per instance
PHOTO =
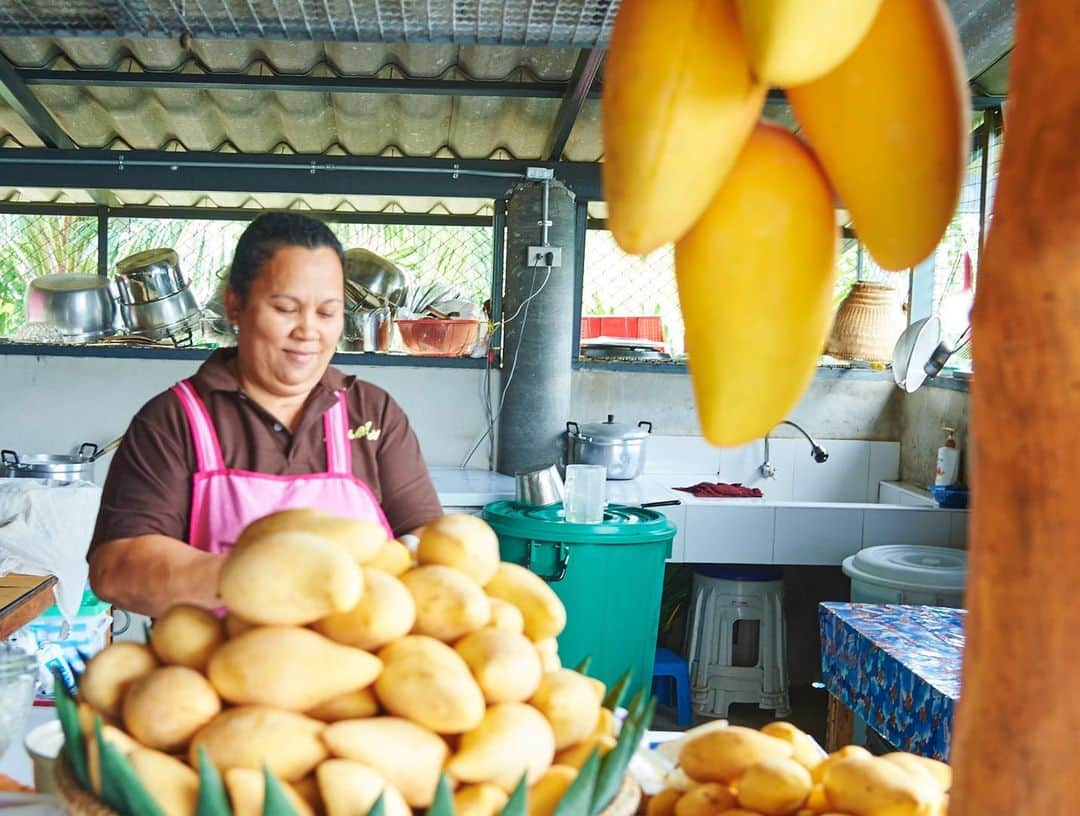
(80, 803)
(867, 323)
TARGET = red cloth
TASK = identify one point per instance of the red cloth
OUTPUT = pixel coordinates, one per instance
(722, 490)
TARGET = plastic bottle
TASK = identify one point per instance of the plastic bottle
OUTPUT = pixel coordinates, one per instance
(948, 460)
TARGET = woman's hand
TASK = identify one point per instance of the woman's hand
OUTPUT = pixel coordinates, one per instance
(150, 573)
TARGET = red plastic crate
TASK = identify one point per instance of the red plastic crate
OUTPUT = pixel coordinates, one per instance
(634, 327)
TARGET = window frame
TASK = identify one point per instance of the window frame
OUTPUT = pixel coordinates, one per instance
(496, 221)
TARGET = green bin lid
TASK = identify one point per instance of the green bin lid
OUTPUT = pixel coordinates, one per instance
(621, 525)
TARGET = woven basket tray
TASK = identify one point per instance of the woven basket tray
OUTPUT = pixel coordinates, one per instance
(80, 803)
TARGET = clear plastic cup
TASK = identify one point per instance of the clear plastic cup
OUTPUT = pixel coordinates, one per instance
(584, 503)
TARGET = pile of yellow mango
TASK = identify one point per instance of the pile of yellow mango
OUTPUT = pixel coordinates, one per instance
(780, 771)
(353, 669)
(879, 93)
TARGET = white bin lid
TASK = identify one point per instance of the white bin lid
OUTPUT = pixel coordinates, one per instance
(910, 566)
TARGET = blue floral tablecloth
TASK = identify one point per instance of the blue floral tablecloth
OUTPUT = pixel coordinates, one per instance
(897, 667)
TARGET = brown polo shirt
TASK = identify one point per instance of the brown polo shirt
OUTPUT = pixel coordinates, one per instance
(148, 489)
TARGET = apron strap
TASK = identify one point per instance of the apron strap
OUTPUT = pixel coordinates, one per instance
(207, 448)
(338, 446)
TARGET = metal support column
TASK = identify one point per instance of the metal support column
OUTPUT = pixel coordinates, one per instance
(538, 307)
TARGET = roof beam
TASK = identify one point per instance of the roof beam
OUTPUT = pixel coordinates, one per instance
(277, 173)
(170, 80)
(581, 81)
(285, 82)
(19, 97)
(14, 91)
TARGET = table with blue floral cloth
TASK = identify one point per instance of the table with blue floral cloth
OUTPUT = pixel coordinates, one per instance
(896, 667)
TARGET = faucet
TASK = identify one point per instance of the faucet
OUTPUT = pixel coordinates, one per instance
(818, 453)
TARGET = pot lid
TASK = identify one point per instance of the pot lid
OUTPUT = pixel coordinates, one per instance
(612, 431)
(621, 524)
(912, 566)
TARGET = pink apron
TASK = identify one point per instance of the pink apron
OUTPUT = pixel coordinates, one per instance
(224, 501)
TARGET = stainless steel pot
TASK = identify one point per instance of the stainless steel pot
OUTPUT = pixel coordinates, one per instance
(617, 446)
(149, 276)
(56, 467)
(81, 307)
(160, 318)
(372, 281)
(539, 487)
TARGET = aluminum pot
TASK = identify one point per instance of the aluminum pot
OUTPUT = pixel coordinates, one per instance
(539, 487)
(372, 281)
(81, 307)
(57, 467)
(617, 446)
(149, 276)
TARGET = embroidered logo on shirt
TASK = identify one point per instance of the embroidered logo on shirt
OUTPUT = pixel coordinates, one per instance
(365, 431)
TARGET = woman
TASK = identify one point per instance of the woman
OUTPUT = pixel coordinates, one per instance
(266, 426)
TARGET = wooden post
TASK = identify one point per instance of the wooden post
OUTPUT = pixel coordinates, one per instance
(1017, 737)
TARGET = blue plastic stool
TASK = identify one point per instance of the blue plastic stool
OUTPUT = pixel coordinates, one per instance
(670, 665)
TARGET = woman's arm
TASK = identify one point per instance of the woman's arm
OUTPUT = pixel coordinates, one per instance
(149, 573)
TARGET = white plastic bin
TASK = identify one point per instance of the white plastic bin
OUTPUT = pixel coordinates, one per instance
(908, 574)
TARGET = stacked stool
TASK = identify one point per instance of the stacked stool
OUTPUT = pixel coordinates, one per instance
(738, 647)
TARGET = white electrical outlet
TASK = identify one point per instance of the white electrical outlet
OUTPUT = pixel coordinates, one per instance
(545, 256)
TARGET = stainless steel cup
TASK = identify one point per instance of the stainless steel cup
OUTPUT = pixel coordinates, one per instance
(539, 487)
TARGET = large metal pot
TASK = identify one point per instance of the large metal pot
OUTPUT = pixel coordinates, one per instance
(161, 318)
(81, 307)
(617, 446)
(148, 276)
(57, 467)
(372, 281)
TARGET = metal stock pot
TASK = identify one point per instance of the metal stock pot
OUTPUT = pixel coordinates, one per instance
(617, 446)
(57, 467)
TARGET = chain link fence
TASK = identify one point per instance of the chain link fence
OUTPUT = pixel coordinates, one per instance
(36, 245)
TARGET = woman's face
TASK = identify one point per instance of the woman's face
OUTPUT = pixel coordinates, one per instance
(292, 320)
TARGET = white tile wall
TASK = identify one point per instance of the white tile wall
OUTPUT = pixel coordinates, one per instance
(817, 535)
(843, 478)
(931, 527)
(884, 466)
(680, 454)
(729, 535)
(741, 465)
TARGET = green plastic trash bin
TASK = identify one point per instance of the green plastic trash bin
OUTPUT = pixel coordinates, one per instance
(610, 576)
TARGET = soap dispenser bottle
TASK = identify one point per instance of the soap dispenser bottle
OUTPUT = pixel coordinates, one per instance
(948, 460)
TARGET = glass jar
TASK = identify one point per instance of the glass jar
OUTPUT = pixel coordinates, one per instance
(18, 676)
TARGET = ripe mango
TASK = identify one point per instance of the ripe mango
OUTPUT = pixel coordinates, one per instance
(360, 539)
(792, 42)
(290, 578)
(548, 790)
(755, 279)
(504, 615)
(724, 754)
(506, 665)
(895, 149)
(480, 800)
(386, 611)
(247, 793)
(288, 667)
(393, 557)
(463, 542)
(705, 800)
(174, 786)
(449, 604)
(427, 682)
(350, 788)
(872, 786)
(186, 636)
(164, 709)
(408, 756)
(512, 739)
(111, 672)
(249, 736)
(569, 702)
(544, 613)
(678, 103)
(774, 787)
